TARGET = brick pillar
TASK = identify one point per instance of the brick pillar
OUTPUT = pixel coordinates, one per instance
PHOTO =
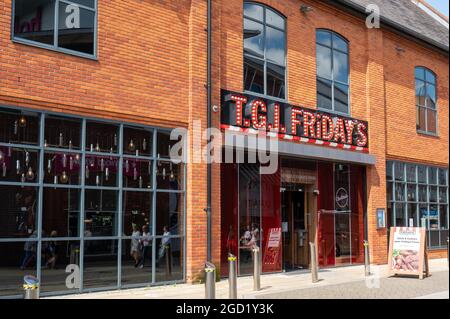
(376, 175)
(196, 188)
(216, 99)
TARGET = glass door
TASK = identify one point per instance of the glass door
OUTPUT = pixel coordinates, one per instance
(249, 215)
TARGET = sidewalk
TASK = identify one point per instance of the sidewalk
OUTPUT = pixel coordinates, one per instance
(288, 285)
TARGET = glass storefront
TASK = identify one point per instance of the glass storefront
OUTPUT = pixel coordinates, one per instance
(281, 213)
(87, 204)
(340, 214)
(417, 195)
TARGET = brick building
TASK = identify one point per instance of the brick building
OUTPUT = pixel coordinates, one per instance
(90, 91)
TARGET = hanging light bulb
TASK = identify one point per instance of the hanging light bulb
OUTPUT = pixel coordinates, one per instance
(97, 180)
(1, 156)
(87, 171)
(22, 178)
(102, 165)
(4, 169)
(144, 145)
(55, 179)
(107, 173)
(92, 147)
(71, 163)
(171, 172)
(127, 166)
(131, 146)
(135, 173)
(16, 126)
(64, 179)
(70, 144)
(140, 181)
(61, 140)
(64, 160)
(30, 174)
(18, 167)
(45, 143)
(49, 166)
(164, 173)
(97, 147)
(22, 121)
(27, 158)
(137, 152)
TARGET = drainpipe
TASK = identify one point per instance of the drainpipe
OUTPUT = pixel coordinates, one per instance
(209, 105)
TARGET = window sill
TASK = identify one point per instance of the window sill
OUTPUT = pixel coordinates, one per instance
(267, 97)
(333, 112)
(54, 49)
(427, 134)
(437, 248)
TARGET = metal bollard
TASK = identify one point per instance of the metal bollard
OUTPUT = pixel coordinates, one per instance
(31, 287)
(314, 267)
(366, 258)
(210, 281)
(256, 269)
(232, 276)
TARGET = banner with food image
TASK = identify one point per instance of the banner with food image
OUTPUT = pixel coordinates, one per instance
(407, 250)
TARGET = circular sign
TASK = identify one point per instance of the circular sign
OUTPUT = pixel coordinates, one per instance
(342, 198)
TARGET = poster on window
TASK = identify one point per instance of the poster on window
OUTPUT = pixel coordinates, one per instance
(272, 249)
(407, 251)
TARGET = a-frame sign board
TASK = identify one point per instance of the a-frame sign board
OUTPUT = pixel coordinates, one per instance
(408, 254)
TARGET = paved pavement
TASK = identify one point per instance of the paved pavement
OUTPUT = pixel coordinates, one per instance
(342, 282)
(385, 288)
(438, 295)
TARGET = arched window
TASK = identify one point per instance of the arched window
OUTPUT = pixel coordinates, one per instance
(332, 72)
(264, 51)
(426, 100)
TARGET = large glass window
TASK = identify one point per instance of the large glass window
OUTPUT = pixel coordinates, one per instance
(110, 201)
(65, 25)
(426, 100)
(264, 51)
(332, 72)
(420, 199)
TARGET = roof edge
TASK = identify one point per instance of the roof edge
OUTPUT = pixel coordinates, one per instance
(361, 11)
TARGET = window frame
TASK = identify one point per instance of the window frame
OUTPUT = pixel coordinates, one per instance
(393, 202)
(333, 81)
(54, 46)
(119, 237)
(426, 107)
(265, 60)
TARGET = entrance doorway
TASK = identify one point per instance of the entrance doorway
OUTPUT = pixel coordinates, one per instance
(295, 228)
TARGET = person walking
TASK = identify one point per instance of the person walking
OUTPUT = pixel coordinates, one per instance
(146, 247)
(135, 249)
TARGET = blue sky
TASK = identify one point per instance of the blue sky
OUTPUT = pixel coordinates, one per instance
(441, 5)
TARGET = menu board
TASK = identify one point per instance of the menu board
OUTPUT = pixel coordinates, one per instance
(273, 246)
(407, 251)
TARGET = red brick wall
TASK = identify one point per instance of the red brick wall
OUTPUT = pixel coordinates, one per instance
(381, 88)
(151, 69)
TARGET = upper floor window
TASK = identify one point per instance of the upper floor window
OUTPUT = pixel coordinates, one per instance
(426, 100)
(264, 51)
(332, 72)
(65, 25)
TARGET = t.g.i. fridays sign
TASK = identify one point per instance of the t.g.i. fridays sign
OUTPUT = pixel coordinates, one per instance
(292, 122)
